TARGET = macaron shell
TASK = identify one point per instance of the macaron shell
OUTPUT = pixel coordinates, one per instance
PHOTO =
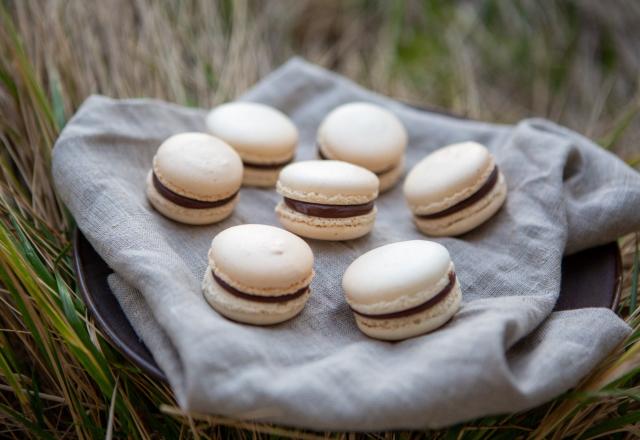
(364, 134)
(198, 166)
(468, 218)
(261, 260)
(403, 302)
(261, 178)
(259, 133)
(397, 276)
(424, 322)
(329, 182)
(335, 229)
(187, 215)
(389, 178)
(245, 311)
(447, 176)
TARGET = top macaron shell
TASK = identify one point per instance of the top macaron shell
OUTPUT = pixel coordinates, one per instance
(447, 176)
(397, 276)
(261, 259)
(259, 133)
(328, 182)
(198, 166)
(364, 134)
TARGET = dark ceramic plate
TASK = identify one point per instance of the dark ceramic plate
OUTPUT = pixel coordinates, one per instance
(591, 278)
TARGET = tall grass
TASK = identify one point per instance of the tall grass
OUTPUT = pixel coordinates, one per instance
(574, 62)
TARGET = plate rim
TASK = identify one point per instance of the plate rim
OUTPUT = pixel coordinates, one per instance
(150, 368)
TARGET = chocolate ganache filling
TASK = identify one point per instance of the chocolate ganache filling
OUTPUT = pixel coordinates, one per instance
(377, 173)
(328, 211)
(187, 202)
(420, 307)
(259, 298)
(267, 166)
(486, 187)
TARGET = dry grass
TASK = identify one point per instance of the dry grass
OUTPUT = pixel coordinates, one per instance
(573, 62)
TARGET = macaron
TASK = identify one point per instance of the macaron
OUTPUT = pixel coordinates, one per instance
(402, 289)
(455, 189)
(195, 179)
(366, 135)
(264, 137)
(327, 199)
(258, 274)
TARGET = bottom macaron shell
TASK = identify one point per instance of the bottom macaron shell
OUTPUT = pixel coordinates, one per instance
(249, 312)
(469, 218)
(390, 178)
(320, 228)
(187, 215)
(260, 177)
(396, 329)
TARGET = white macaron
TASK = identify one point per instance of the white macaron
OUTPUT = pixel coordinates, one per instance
(455, 189)
(327, 199)
(195, 179)
(366, 135)
(258, 274)
(264, 137)
(402, 289)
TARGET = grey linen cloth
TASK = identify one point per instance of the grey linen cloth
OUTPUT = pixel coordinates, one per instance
(504, 351)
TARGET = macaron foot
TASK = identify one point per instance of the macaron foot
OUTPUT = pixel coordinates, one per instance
(187, 215)
(397, 329)
(467, 219)
(319, 228)
(245, 311)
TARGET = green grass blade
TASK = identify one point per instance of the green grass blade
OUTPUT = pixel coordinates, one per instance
(57, 100)
(633, 294)
(42, 271)
(9, 376)
(29, 426)
(620, 128)
(612, 425)
(36, 403)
